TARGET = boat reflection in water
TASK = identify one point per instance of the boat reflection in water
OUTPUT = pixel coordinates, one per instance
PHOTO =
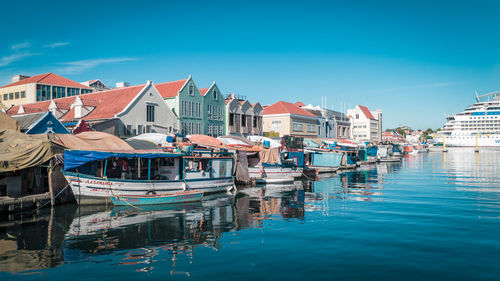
(144, 237)
(139, 237)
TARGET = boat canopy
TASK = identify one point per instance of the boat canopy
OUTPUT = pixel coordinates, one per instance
(206, 141)
(156, 138)
(265, 141)
(76, 158)
(310, 143)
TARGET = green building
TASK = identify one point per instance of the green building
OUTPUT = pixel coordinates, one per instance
(213, 111)
(186, 101)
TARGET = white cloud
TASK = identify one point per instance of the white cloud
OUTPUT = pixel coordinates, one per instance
(83, 65)
(7, 60)
(19, 46)
(56, 45)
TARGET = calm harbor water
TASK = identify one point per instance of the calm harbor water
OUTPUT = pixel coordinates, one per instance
(431, 217)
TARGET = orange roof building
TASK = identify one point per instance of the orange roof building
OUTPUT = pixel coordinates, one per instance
(284, 118)
(42, 87)
(122, 112)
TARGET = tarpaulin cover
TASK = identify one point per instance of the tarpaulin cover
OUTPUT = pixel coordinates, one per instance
(270, 156)
(261, 139)
(76, 158)
(20, 151)
(298, 157)
(8, 123)
(206, 141)
(234, 140)
(157, 138)
(310, 143)
(91, 141)
(328, 159)
(242, 167)
(371, 150)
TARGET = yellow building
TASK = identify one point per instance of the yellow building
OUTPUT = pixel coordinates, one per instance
(288, 119)
(47, 86)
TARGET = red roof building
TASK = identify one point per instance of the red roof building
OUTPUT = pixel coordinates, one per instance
(284, 118)
(138, 109)
(47, 86)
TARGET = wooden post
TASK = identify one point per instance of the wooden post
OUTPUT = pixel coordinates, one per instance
(477, 144)
(51, 182)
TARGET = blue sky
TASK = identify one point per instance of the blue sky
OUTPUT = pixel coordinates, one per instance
(415, 60)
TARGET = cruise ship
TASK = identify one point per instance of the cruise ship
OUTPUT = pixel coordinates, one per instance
(478, 124)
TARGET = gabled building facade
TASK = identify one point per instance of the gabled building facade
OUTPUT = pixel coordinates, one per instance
(366, 125)
(123, 112)
(47, 86)
(40, 123)
(332, 124)
(213, 111)
(186, 101)
(97, 85)
(242, 118)
(284, 118)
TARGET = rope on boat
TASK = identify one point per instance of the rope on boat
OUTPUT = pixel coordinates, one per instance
(307, 177)
(54, 198)
(114, 195)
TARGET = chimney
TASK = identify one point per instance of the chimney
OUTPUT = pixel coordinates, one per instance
(17, 78)
(77, 105)
(122, 84)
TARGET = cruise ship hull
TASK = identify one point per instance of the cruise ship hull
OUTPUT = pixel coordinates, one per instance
(491, 140)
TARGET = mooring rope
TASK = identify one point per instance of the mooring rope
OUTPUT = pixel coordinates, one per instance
(45, 204)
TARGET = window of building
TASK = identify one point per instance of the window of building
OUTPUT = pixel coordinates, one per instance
(276, 125)
(191, 89)
(23, 94)
(255, 119)
(148, 129)
(140, 129)
(5, 96)
(128, 130)
(243, 121)
(357, 116)
(215, 94)
(42, 92)
(190, 109)
(17, 95)
(296, 126)
(11, 96)
(150, 113)
(231, 119)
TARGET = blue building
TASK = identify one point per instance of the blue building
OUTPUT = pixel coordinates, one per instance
(40, 123)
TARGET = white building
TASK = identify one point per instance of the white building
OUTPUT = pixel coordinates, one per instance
(366, 125)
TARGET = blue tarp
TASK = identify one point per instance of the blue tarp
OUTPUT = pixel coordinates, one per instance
(298, 157)
(76, 158)
(310, 143)
(328, 159)
(371, 150)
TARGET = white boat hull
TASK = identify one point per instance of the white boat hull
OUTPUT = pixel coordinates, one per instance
(275, 174)
(94, 190)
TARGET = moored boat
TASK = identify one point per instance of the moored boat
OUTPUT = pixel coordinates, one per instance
(95, 176)
(155, 199)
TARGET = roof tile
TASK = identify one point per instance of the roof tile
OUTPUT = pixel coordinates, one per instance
(283, 107)
(50, 79)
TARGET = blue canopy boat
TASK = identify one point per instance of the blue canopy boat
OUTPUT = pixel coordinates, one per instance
(97, 176)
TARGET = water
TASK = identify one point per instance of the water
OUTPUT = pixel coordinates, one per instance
(432, 217)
